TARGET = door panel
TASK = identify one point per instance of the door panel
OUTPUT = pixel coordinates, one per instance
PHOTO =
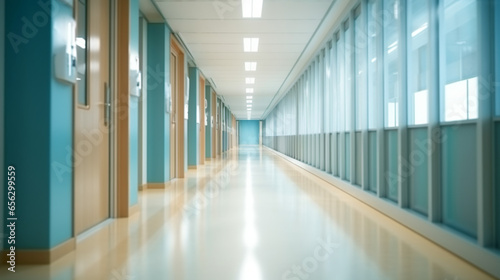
(173, 116)
(91, 131)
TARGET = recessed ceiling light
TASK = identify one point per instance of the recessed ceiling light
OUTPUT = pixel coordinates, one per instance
(249, 97)
(250, 80)
(249, 90)
(249, 109)
(249, 101)
(251, 44)
(251, 8)
(250, 66)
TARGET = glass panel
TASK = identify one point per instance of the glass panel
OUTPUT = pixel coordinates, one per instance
(360, 72)
(327, 82)
(459, 178)
(340, 85)
(391, 162)
(335, 149)
(460, 57)
(418, 164)
(418, 54)
(391, 62)
(348, 76)
(334, 85)
(347, 153)
(81, 53)
(373, 34)
(358, 158)
(372, 161)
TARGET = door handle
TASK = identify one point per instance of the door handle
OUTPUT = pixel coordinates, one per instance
(107, 104)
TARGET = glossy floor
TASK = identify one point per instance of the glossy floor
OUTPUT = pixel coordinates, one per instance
(252, 216)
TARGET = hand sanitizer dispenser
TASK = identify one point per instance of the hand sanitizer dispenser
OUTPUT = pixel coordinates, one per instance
(135, 78)
(65, 59)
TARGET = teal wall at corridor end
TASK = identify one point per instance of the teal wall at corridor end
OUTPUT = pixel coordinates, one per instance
(39, 121)
(193, 126)
(158, 77)
(248, 132)
(134, 109)
(208, 127)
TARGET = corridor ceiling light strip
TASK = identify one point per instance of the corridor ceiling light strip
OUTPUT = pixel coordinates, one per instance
(249, 105)
(249, 90)
(251, 44)
(250, 66)
(251, 8)
(249, 97)
(250, 81)
(249, 101)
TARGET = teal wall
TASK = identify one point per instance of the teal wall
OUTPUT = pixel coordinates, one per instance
(459, 178)
(497, 59)
(248, 133)
(497, 180)
(193, 126)
(2, 110)
(391, 164)
(134, 109)
(372, 161)
(418, 173)
(39, 121)
(158, 77)
(208, 127)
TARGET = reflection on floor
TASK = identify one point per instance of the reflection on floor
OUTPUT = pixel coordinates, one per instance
(252, 216)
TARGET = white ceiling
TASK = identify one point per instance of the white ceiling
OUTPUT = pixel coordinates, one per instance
(213, 32)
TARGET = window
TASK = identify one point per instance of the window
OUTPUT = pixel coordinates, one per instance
(391, 62)
(326, 88)
(360, 69)
(373, 35)
(459, 51)
(340, 84)
(348, 76)
(418, 54)
(334, 84)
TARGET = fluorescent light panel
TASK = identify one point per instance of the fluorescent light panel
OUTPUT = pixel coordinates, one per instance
(250, 81)
(249, 90)
(251, 8)
(249, 101)
(251, 44)
(249, 97)
(250, 66)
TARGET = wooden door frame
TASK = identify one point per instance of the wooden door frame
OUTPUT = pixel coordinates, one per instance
(177, 50)
(121, 100)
